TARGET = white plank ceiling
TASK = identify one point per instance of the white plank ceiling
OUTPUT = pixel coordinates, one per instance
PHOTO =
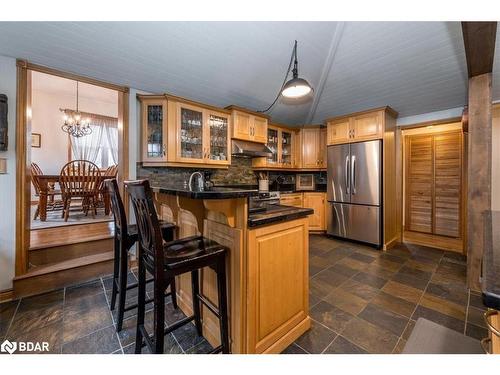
(415, 67)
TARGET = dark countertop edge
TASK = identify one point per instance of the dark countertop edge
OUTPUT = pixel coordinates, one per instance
(282, 216)
(490, 283)
(206, 194)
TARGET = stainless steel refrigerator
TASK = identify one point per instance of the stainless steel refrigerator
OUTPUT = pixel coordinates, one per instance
(354, 191)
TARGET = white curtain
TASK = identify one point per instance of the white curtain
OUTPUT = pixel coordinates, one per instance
(99, 146)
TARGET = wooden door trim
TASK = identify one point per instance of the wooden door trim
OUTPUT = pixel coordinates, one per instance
(23, 129)
(76, 77)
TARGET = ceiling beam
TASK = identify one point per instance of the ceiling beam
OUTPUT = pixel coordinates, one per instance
(325, 72)
(479, 41)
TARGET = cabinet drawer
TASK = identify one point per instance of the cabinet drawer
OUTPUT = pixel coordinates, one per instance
(294, 200)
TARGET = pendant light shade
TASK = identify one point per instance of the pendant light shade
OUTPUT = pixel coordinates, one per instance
(296, 88)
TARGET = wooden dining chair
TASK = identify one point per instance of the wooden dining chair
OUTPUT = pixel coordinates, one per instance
(52, 203)
(79, 179)
(103, 192)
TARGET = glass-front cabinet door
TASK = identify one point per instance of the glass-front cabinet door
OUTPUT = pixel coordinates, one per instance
(286, 156)
(154, 135)
(218, 148)
(190, 126)
(272, 143)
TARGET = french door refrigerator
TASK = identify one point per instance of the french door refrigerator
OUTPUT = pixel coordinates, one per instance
(354, 191)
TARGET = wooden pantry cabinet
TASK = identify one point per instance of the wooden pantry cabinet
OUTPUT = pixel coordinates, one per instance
(181, 132)
(282, 142)
(362, 126)
(248, 125)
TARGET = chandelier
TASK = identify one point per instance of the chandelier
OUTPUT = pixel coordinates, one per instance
(74, 125)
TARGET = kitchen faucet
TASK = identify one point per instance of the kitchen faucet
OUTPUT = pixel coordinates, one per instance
(200, 179)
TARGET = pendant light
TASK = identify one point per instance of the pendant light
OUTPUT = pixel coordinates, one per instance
(294, 89)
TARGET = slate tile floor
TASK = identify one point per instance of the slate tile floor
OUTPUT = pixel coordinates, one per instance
(361, 301)
(367, 301)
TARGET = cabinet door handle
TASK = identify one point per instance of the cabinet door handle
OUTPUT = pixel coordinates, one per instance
(164, 148)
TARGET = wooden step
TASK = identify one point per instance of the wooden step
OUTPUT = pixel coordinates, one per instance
(71, 234)
(48, 255)
(62, 274)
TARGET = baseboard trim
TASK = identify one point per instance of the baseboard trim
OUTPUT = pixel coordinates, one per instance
(6, 295)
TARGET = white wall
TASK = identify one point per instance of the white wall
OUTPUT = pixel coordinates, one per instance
(49, 95)
(8, 181)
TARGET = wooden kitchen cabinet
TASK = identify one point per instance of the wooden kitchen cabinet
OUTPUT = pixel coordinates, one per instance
(278, 279)
(313, 149)
(203, 135)
(181, 132)
(362, 126)
(338, 131)
(282, 142)
(291, 199)
(317, 202)
(154, 129)
(248, 126)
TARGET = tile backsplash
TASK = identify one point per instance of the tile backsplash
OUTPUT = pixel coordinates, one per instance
(239, 173)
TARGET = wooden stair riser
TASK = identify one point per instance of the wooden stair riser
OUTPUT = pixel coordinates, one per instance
(54, 254)
(63, 278)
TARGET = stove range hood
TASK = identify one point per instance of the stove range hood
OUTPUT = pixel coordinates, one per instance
(250, 149)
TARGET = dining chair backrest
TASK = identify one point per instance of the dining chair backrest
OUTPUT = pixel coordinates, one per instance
(35, 172)
(79, 177)
(110, 172)
(148, 226)
(117, 207)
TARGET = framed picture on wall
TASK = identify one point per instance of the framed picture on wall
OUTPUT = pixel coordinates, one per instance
(36, 140)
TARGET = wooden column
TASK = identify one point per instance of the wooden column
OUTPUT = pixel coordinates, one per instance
(479, 172)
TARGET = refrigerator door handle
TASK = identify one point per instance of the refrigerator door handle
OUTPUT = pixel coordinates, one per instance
(353, 174)
(347, 179)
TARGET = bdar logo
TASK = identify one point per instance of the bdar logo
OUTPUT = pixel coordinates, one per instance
(9, 347)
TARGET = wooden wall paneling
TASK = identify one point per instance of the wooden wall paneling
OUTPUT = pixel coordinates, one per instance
(479, 172)
(233, 239)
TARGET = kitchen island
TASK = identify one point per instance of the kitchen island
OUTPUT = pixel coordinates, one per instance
(267, 265)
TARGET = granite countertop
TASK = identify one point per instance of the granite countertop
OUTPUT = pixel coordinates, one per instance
(490, 281)
(277, 213)
(211, 193)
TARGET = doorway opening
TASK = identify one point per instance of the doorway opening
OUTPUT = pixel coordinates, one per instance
(64, 223)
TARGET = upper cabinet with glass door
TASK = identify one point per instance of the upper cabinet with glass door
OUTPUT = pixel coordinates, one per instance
(154, 129)
(190, 134)
(197, 133)
(281, 141)
(218, 148)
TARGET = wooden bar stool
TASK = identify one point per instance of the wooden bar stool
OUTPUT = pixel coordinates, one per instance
(125, 237)
(165, 261)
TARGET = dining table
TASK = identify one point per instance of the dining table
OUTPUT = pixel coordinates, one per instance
(47, 182)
